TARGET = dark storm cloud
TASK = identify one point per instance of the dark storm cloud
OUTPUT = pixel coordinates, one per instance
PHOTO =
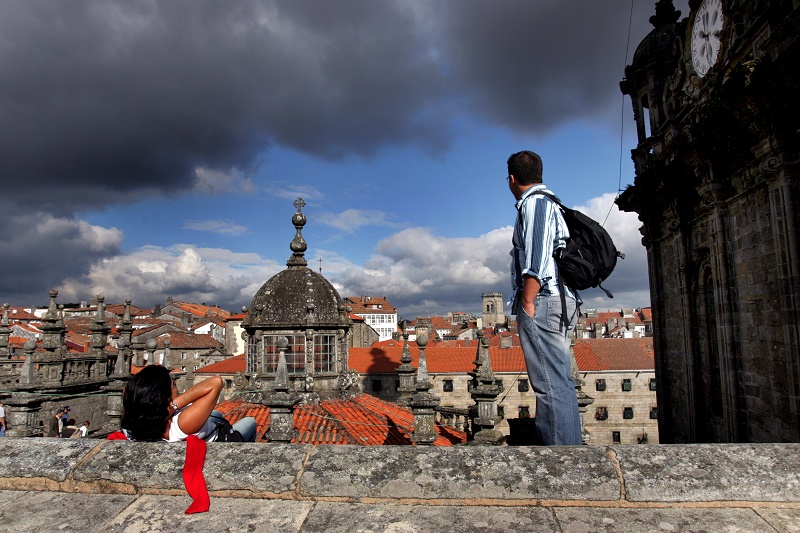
(104, 102)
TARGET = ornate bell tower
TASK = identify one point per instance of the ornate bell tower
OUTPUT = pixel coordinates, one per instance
(717, 189)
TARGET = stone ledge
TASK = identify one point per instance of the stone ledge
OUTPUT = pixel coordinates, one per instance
(724, 475)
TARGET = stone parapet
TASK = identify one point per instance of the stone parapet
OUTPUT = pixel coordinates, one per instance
(326, 488)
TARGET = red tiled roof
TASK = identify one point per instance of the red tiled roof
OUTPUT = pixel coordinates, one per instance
(17, 313)
(384, 357)
(17, 342)
(439, 359)
(369, 304)
(209, 320)
(231, 365)
(361, 419)
(29, 327)
(119, 310)
(615, 354)
(201, 310)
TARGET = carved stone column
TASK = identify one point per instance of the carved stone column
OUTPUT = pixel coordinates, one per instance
(584, 400)
(281, 402)
(406, 374)
(5, 333)
(423, 402)
(485, 394)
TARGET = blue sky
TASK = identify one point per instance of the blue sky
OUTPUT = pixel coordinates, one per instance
(156, 148)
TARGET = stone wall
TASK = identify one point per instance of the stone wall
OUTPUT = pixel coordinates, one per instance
(615, 399)
(138, 486)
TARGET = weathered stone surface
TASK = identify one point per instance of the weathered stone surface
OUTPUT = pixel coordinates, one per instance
(140, 464)
(242, 466)
(166, 513)
(346, 518)
(48, 458)
(589, 520)
(786, 520)
(709, 472)
(462, 472)
(59, 511)
(270, 468)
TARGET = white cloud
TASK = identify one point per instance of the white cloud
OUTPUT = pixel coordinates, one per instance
(350, 220)
(151, 273)
(423, 273)
(224, 227)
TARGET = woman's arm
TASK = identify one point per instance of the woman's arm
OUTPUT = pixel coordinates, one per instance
(203, 396)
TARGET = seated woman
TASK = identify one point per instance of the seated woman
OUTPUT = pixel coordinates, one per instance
(152, 409)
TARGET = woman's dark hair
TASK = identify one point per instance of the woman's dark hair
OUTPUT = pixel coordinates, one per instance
(145, 403)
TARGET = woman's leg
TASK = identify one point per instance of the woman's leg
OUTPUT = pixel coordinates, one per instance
(247, 427)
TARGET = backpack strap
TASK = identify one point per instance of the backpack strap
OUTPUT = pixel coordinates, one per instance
(561, 290)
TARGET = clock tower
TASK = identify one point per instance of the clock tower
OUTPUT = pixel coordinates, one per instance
(716, 101)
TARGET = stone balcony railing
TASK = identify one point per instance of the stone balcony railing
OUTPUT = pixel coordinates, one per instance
(138, 486)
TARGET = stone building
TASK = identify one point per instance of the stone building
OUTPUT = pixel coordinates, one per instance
(46, 374)
(302, 306)
(620, 375)
(377, 312)
(295, 378)
(493, 311)
(617, 373)
(716, 100)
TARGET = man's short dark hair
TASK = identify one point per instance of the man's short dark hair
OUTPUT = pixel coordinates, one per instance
(526, 167)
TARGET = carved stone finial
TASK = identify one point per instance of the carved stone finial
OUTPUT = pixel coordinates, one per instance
(665, 14)
(126, 317)
(298, 245)
(52, 310)
(282, 372)
(422, 369)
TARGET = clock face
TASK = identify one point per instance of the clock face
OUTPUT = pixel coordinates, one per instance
(705, 35)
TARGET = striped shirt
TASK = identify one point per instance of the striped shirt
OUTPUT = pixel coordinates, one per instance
(540, 229)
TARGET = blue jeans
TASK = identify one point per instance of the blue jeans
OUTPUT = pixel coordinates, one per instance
(246, 426)
(545, 343)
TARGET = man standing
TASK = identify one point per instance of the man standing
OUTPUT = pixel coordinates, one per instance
(54, 427)
(2, 420)
(543, 330)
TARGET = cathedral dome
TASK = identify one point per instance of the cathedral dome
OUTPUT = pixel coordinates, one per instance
(660, 44)
(296, 296)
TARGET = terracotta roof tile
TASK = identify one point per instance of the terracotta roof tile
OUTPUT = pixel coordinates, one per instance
(369, 304)
(17, 313)
(201, 310)
(615, 354)
(361, 419)
(440, 359)
(231, 365)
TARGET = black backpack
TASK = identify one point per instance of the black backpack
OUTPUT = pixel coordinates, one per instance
(590, 255)
(225, 432)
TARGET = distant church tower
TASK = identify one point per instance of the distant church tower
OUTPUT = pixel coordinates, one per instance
(493, 313)
(716, 100)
